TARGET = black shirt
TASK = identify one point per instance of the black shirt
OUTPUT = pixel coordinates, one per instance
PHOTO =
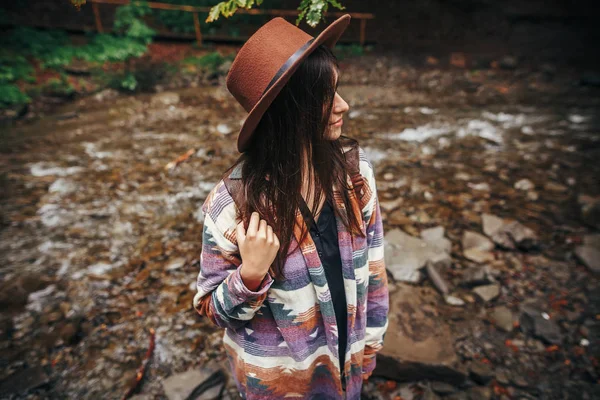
(325, 235)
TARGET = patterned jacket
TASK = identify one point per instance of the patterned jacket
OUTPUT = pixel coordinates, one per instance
(281, 340)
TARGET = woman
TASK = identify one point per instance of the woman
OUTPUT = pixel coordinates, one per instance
(302, 320)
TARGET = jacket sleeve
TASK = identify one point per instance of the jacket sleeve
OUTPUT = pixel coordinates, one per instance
(221, 294)
(377, 294)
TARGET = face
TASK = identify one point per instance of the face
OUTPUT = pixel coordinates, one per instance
(339, 108)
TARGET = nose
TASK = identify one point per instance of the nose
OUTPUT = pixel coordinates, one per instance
(341, 106)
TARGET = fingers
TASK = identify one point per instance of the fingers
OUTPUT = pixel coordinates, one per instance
(239, 230)
(262, 229)
(253, 225)
(259, 228)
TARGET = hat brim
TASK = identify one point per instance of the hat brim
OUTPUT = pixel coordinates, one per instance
(329, 38)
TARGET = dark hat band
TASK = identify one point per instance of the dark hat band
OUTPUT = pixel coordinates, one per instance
(286, 65)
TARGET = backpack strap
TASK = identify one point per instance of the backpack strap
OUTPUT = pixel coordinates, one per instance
(357, 179)
(233, 183)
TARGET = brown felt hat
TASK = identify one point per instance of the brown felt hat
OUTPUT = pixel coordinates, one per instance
(267, 60)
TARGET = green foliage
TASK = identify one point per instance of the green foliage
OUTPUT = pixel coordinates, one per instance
(11, 95)
(58, 87)
(106, 47)
(313, 10)
(78, 3)
(209, 62)
(128, 22)
(183, 22)
(346, 51)
(13, 68)
(229, 7)
(33, 42)
(129, 82)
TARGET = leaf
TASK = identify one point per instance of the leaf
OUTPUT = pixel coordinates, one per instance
(337, 4)
(214, 12)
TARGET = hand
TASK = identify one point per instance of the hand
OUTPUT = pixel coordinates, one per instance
(258, 248)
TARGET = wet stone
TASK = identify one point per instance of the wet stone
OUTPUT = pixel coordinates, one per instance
(442, 388)
(477, 247)
(487, 292)
(503, 318)
(480, 372)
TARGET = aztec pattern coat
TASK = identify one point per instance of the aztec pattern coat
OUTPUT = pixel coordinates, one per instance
(281, 340)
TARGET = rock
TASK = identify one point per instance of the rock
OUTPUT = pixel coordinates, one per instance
(487, 292)
(406, 255)
(454, 301)
(223, 69)
(22, 381)
(519, 381)
(418, 345)
(106, 94)
(457, 396)
(481, 186)
(524, 184)
(428, 394)
(503, 318)
(477, 247)
(534, 321)
(442, 388)
(480, 372)
(502, 376)
(508, 62)
(476, 275)
(479, 393)
(165, 99)
(224, 129)
(508, 233)
(14, 293)
(589, 253)
(399, 217)
(555, 187)
(180, 386)
(590, 210)
(175, 264)
(68, 333)
(435, 237)
(78, 67)
(548, 331)
(62, 185)
(436, 278)
(428, 196)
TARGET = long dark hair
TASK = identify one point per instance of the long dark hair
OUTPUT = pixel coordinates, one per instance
(292, 131)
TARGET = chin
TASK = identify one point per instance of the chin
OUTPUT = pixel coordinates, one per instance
(335, 134)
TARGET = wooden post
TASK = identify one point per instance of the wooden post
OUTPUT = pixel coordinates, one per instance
(363, 24)
(97, 18)
(197, 28)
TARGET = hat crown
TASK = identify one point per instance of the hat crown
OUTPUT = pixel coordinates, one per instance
(261, 57)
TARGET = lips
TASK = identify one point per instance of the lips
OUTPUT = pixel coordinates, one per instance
(333, 123)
